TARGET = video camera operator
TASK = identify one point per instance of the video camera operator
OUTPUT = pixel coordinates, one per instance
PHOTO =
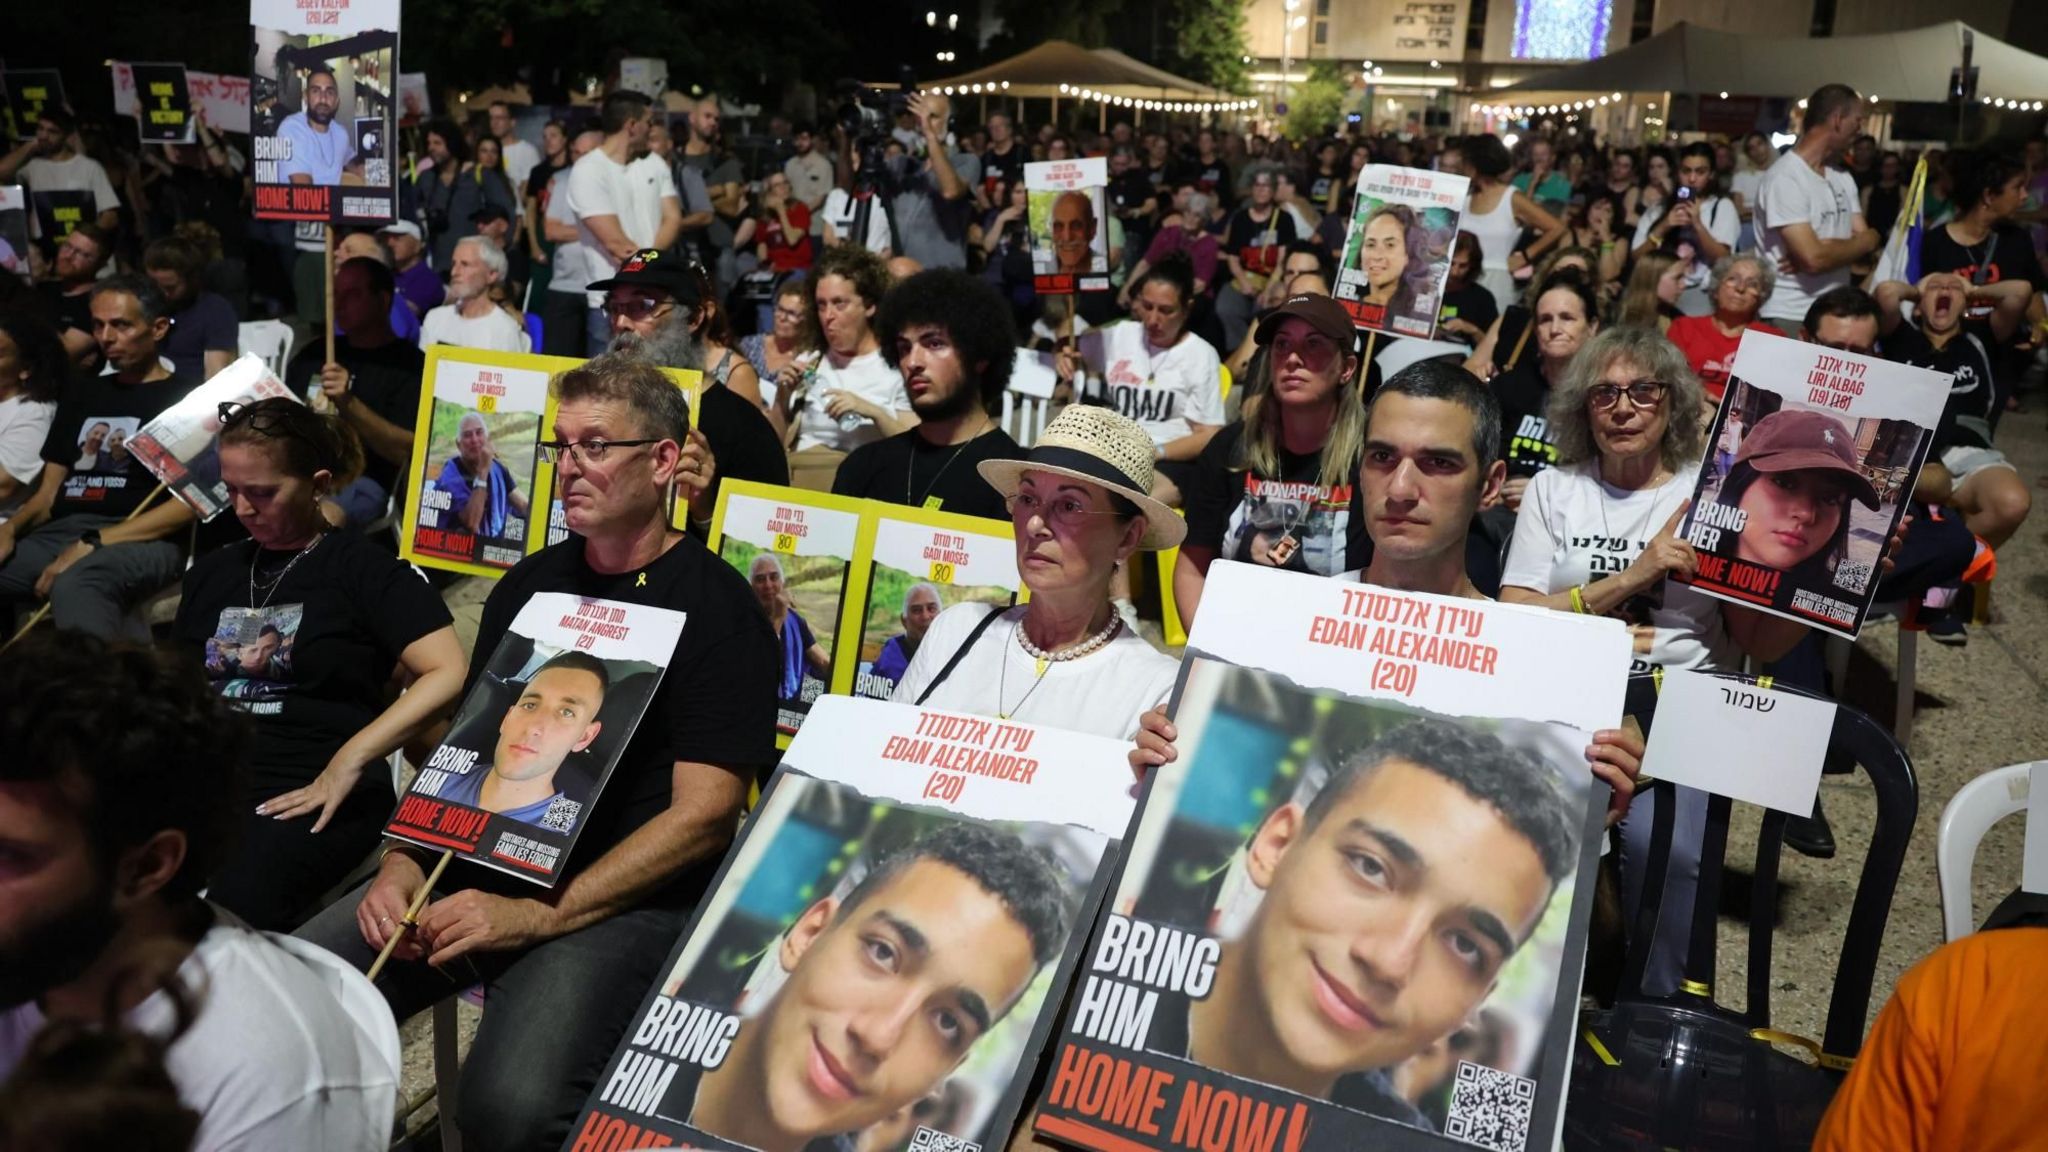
(929, 195)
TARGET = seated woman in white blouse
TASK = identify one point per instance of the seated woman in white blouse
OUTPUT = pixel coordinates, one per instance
(1081, 504)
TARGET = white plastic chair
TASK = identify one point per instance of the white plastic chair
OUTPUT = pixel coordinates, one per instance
(270, 339)
(1025, 417)
(1981, 803)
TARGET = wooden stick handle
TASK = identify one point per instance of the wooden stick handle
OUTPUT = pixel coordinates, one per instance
(41, 613)
(412, 915)
(1365, 365)
(327, 294)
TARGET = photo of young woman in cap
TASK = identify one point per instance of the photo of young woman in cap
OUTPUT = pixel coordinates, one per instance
(1792, 481)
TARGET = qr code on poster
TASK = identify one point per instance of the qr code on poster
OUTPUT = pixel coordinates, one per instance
(1491, 1108)
(1852, 574)
(932, 1140)
(561, 815)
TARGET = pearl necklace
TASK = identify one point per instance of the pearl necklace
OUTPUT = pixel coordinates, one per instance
(1047, 659)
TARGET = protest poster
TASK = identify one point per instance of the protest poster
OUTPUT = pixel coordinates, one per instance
(920, 564)
(1069, 235)
(476, 459)
(797, 549)
(322, 107)
(182, 447)
(545, 721)
(58, 213)
(14, 240)
(1811, 458)
(29, 91)
(1353, 911)
(222, 101)
(1397, 253)
(415, 103)
(163, 103)
(932, 870)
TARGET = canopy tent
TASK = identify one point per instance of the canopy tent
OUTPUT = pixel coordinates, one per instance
(1912, 65)
(1058, 69)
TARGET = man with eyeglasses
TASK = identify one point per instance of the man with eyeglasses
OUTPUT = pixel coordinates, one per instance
(68, 295)
(1698, 226)
(651, 304)
(565, 968)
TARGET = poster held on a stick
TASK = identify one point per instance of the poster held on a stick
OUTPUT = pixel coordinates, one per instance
(1397, 253)
(1069, 226)
(323, 104)
(181, 446)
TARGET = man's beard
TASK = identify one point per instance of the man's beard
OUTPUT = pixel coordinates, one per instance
(672, 346)
(962, 400)
(58, 950)
(319, 115)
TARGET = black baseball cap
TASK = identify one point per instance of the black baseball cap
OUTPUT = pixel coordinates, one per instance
(490, 212)
(649, 268)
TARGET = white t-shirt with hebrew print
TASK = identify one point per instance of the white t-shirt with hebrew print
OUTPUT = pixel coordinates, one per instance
(1574, 528)
(1163, 389)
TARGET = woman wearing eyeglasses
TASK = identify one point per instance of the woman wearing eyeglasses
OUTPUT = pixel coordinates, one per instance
(1080, 503)
(1738, 288)
(1598, 534)
(302, 628)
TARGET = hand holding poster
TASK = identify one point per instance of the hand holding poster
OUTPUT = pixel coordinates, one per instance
(1258, 965)
(545, 722)
(322, 107)
(922, 564)
(475, 463)
(181, 446)
(1397, 254)
(932, 870)
(1810, 461)
(163, 103)
(1069, 238)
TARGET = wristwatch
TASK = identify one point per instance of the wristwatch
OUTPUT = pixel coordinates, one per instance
(90, 538)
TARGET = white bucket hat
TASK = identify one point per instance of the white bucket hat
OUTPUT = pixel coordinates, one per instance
(1096, 445)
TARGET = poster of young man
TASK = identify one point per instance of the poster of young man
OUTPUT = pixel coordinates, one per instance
(546, 719)
(181, 447)
(1812, 456)
(923, 563)
(1354, 910)
(796, 548)
(882, 955)
(475, 462)
(1397, 254)
(163, 103)
(1069, 229)
(14, 240)
(29, 91)
(322, 107)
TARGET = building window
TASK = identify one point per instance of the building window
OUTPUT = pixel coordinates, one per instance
(1322, 31)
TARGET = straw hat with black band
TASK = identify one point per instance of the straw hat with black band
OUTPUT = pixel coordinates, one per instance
(1100, 447)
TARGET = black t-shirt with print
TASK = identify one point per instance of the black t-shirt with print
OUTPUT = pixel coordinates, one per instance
(908, 469)
(715, 705)
(1258, 244)
(311, 666)
(1288, 521)
(2007, 254)
(96, 416)
(386, 381)
(1972, 398)
(1472, 304)
(1526, 441)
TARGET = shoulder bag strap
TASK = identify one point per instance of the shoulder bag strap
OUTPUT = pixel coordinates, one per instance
(959, 654)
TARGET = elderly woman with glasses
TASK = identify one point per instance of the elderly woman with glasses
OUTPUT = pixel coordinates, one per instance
(1081, 504)
(301, 629)
(1739, 287)
(1598, 534)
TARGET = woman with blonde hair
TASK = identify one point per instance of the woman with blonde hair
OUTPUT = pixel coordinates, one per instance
(1651, 296)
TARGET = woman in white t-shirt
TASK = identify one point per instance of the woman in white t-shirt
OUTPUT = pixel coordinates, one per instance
(32, 368)
(1081, 505)
(851, 396)
(1598, 534)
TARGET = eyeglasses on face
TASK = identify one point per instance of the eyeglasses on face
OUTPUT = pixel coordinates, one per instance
(638, 308)
(1641, 394)
(585, 451)
(1063, 511)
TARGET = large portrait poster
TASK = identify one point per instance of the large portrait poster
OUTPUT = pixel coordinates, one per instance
(1069, 225)
(545, 721)
(475, 459)
(882, 954)
(14, 240)
(797, 550)
(1810, 461)
(163, 103)
(322, 110)
(922, 564)
(182, 446)
(29, 91)
(1397, 254)
(1353, 912)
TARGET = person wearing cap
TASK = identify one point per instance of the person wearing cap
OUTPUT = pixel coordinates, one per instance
(1081, 504)
(1275, 487)
(1797, 520)
(470, 319)
(418, 286)
(948, 333)
(658, 306)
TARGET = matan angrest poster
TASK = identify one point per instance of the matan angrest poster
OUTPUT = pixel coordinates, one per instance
(1810, 462)
(882, 955)
(547, 717)
(1397, 252)
(1353, 912)
(182, 445)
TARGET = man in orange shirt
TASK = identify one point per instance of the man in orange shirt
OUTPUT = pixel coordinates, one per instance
(1955, 1060)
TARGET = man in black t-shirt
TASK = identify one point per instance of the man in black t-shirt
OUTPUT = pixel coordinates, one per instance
(565, 968)
(69, 296)
(949, 334)
(1004, 159)
(79, 540)
(374, 383)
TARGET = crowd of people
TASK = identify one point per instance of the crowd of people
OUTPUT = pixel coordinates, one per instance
(857, 309)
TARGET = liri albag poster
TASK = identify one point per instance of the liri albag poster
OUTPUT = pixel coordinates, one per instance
(1353, 911)
(882, 954)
